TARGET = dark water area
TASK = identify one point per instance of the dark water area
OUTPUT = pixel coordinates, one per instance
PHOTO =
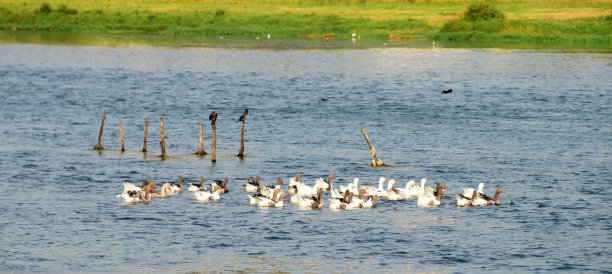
(536, 122)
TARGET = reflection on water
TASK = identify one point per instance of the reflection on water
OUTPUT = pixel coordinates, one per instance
(113, 40)
(533, 122)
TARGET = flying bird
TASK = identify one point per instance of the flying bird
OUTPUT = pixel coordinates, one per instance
(243, 116)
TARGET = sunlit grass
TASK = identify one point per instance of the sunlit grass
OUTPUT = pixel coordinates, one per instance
(299, 18)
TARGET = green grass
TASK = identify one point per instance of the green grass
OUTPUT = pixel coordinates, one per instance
(533, 20)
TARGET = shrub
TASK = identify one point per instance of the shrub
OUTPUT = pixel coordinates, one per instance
(220, 12)
(44, 8)
(482, 12)
(64, 9)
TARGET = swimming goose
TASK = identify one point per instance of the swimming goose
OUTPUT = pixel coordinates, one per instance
(213, 194)
(262, 201)
(302, 189)
(176, 187)
(129, 186)
(312, 202)
(131, 191)
(134, 196)
(294, 180)
(165, 189)
(352, 187)
(346, 203)
(221, 184)
(467, 192)
(380, 191)
(252, 185)
(410, 191)
(268, 190)
(324, 184)
(465, 201)
(393, 193)
(429, 200)
(200, 187)
(495, 199)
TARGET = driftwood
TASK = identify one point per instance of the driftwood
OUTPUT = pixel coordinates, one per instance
(121, 133)
(162, 141)
(201, 150)
(144, 143)
(375, 162)
(99, 145)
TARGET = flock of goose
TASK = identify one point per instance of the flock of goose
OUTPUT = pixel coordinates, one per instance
(351, 196)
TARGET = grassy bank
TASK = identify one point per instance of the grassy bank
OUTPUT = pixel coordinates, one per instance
(534, 20)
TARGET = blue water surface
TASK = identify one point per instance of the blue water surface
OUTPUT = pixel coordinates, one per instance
(537, 123)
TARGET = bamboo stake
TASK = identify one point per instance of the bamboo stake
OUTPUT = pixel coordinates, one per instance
(214, 143)
(213, 118)
(99, 145)
(201, 150)
(241, 152)
(242, 119)
(375, 162)
(162, 142)
(121, 132)
(144, 143)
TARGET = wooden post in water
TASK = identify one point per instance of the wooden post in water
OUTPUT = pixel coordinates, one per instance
(201, 151)
(375, 162)
(162, 142)
(99, 145)
(121, 132)
(213, 149)
(242, 119)
(144, 143)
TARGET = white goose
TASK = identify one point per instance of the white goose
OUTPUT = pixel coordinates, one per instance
(467, 192)
(393, 193)
(134, 196)
(312, 202)
(380, 191)
(422, 188)
(430, 200)
(352, 187)
(268, 191)
(324, 184)
(275, 201)
(294, 180)
(213, 194)
(410, 191)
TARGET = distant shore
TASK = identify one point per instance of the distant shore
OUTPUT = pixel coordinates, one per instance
(532, 22)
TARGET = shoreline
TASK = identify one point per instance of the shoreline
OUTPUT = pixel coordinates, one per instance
(123, 39)
(532, 24)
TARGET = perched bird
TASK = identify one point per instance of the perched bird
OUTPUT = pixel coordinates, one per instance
(243, 116)
(447, 91)
(212, 117)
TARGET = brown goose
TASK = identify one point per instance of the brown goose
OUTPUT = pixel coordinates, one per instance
(200, 187)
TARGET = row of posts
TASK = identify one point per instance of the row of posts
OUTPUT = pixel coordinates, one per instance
(162, 142)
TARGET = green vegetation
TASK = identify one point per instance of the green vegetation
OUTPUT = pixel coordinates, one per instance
(456, 20)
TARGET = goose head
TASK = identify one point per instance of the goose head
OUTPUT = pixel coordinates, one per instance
(381, 180)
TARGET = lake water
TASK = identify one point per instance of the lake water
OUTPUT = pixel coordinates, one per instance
(536, 122)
